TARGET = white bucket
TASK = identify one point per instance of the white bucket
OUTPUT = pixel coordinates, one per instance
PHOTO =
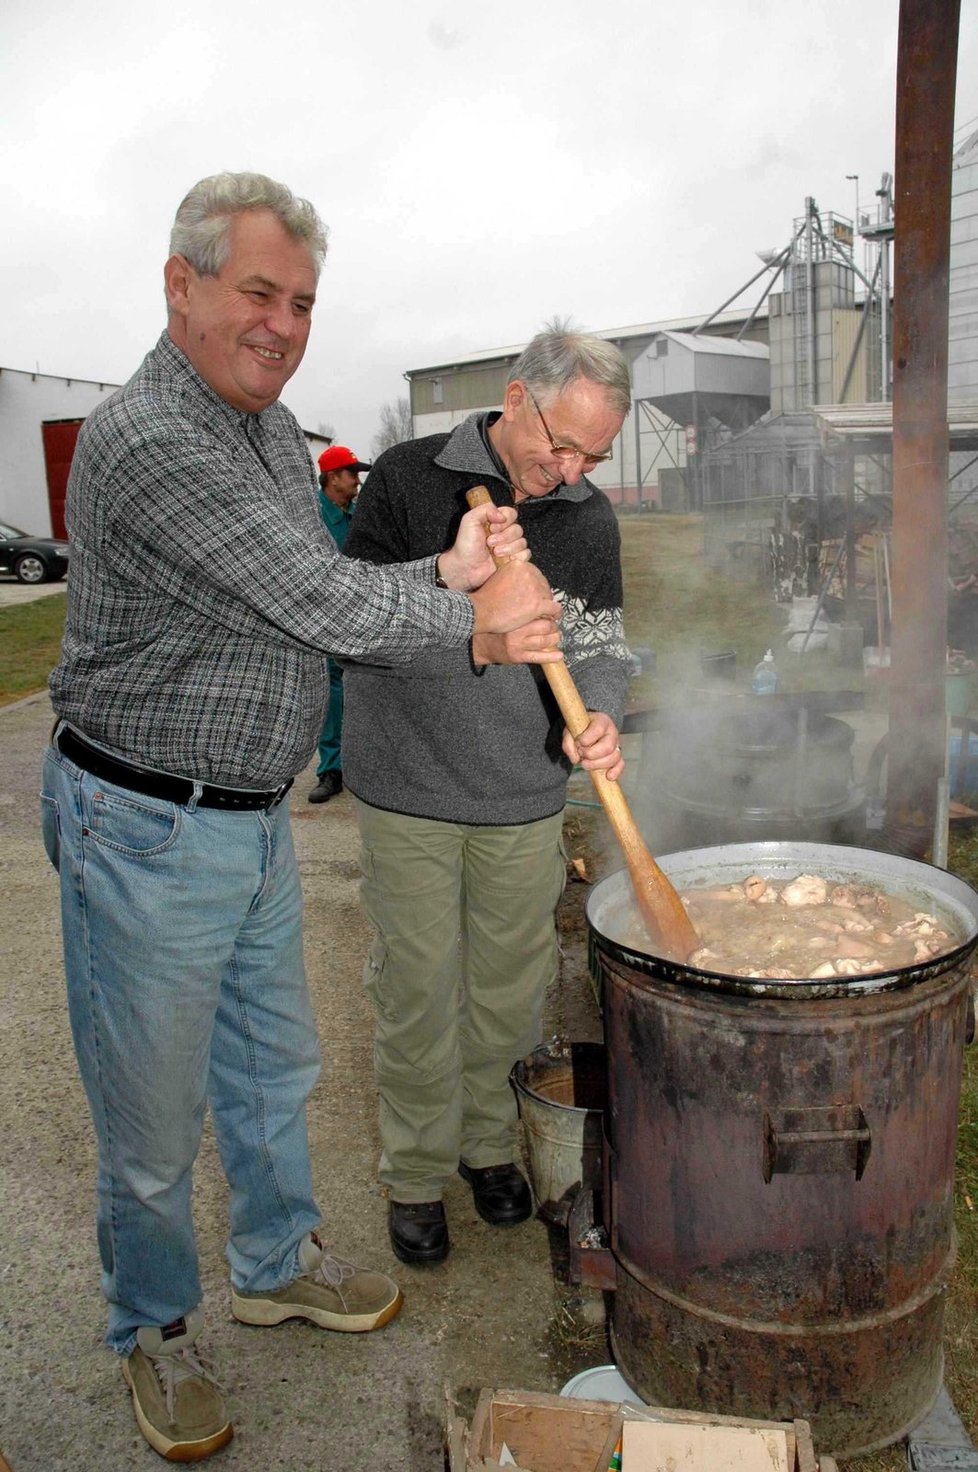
(602, 1382)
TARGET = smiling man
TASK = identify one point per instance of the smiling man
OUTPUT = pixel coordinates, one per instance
(204, 596)
(245, 333)
(461, 826)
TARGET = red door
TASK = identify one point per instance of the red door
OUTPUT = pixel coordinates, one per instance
(59, 436)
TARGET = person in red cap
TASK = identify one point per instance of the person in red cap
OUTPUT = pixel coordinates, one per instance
(339, 482)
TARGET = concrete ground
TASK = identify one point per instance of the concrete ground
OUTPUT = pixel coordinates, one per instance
(497, 1313)
(12, 592)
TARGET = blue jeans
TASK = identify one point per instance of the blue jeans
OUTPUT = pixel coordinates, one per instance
(329, 741)
(186, 988)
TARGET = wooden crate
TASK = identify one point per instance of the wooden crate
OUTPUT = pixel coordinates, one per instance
(552, 1433)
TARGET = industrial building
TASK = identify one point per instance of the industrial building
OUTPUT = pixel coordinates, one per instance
(698, 384)
(774, 420)
(40, 416)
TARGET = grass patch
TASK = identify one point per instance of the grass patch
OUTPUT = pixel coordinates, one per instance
(684, 609)
(30, 640)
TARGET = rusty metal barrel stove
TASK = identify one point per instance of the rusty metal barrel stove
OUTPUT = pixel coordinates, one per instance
(780, 1162)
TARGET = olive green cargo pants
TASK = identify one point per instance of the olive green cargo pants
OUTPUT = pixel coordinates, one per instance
(465, 947)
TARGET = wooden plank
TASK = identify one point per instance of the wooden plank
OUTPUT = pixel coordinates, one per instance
(606, 1453)
(805, 1451)
(664, 1447)
(456, 1441)
(480, 1432)
(546, 1432)
(551, 1433)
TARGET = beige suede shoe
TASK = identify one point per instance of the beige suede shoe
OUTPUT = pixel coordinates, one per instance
(178, 1403)
(329, 1291)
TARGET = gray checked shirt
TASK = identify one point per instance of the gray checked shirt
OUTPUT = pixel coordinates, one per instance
(204, 592)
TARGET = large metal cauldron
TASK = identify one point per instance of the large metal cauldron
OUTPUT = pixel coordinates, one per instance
(763, 769)
(780, 1161)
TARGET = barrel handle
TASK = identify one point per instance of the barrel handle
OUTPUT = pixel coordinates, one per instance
(815, 1141)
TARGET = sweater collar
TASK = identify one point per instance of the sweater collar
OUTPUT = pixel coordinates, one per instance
(464, 451)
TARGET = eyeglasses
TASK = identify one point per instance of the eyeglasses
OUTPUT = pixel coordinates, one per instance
(567, 452)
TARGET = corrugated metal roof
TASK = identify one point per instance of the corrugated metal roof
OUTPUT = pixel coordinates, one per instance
(611, 334)
(874, 423)
(964, 153)
(719, 346)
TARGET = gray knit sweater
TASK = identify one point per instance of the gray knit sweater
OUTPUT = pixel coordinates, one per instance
(438, 737)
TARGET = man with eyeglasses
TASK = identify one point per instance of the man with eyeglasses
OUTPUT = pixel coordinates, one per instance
(460, 773)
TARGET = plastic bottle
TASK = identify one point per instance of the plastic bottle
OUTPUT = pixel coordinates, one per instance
(764, 680)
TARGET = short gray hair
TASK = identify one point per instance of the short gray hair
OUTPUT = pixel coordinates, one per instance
(557, 356)
(201, 230)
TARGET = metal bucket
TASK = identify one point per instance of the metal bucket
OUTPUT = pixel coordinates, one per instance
(720, 666)
(561, 1093)
(781, 1163)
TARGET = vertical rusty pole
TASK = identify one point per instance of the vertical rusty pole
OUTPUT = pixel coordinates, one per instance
(926, 66)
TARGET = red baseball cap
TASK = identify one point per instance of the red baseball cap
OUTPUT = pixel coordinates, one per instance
(338, 457)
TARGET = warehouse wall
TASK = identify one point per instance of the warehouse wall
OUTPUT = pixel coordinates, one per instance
(26, 401)
(963, 301)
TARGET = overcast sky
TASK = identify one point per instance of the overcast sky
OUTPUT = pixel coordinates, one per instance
(481, 167)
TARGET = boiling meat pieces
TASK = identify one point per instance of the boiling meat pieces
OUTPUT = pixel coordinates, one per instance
(808, 927)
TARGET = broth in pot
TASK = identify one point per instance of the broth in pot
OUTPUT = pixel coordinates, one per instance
(806, 927)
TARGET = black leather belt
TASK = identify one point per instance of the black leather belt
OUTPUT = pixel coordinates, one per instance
(161, 784)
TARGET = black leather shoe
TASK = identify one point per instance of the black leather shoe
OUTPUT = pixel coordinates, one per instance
(329, 784)
(419, 1231)
(502, 1197)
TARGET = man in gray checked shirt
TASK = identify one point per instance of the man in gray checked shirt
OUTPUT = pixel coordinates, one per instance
(203, 598)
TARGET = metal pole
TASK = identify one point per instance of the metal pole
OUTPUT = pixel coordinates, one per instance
(854, 178)
(854, 355)
(849, 472)
(821, 594)
(884, 267)
(740, 291)
(941, 819)
(636, 405)
(810, 303)
(926, 65)
(777, 267)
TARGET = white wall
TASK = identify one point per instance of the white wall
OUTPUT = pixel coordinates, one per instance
(26, 400)
(963, 300)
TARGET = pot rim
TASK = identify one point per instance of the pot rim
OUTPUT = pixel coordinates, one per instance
(727, 863)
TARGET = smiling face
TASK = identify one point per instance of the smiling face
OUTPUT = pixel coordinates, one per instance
(245, 329)
(579, 416)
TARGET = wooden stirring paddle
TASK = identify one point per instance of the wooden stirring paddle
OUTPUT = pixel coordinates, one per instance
(662, 911)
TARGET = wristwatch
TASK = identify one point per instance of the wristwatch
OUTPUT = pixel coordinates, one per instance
(439, 580)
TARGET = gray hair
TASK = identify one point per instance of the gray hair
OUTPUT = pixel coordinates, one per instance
(201, 230)
(557, 356)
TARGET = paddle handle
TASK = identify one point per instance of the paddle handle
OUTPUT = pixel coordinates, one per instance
(661, 908)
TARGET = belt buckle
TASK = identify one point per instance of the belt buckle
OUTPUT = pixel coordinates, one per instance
(278, 795)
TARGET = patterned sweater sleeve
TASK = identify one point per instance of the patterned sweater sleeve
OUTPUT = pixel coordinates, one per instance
(592, 628)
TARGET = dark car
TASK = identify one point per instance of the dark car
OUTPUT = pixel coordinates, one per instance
(32, 559)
